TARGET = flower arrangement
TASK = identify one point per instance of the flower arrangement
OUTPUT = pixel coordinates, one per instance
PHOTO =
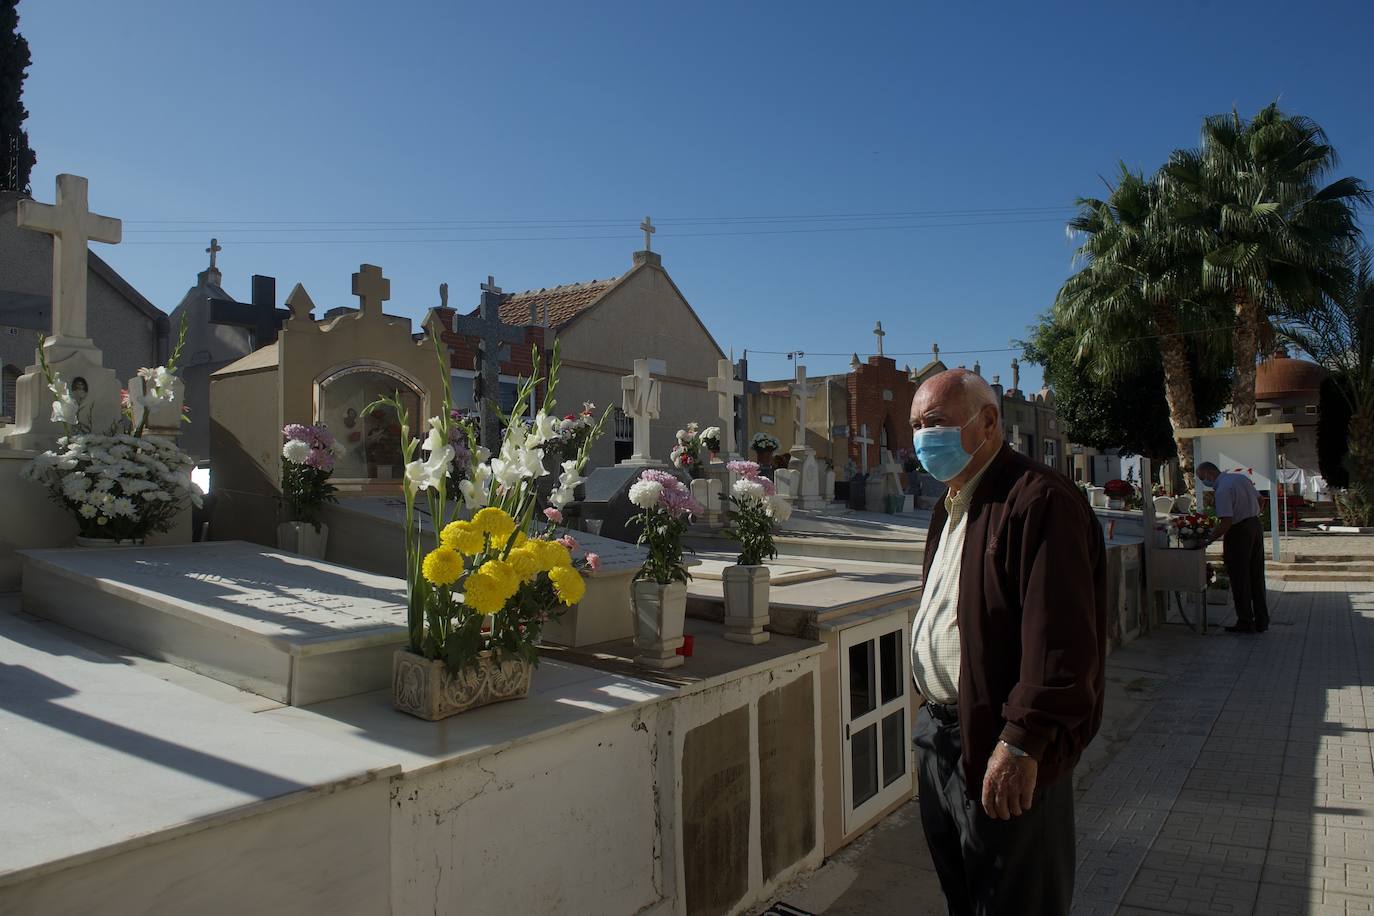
(666, 509)
(687, 453)
(710, 439)
(488, 584)
(121, 485)
(307, 461)
(1193, 527)
(573, 433)
(1118, 489)
(763, 442)
(758, 512)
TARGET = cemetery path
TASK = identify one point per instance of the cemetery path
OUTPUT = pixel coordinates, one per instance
(1233, 775)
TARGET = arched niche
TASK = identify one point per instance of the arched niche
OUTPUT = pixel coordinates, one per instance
(369, 436)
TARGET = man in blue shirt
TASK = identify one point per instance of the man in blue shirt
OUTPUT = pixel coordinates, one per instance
(1242, 536)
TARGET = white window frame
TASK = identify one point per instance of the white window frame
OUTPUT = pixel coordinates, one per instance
(900, 788)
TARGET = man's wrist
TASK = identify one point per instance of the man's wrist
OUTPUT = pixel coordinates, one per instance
(1012, 749)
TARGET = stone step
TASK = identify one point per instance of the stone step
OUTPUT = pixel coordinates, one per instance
(1323, 576)
(905, 552)
(1367, 567)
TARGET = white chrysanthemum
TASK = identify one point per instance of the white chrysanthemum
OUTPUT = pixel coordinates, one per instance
(295, 451)
(88, 511)
(646, 493)
(779, 508)
(123, 506)
(748, 492)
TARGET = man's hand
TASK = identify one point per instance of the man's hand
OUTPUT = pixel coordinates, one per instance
(1009, 784)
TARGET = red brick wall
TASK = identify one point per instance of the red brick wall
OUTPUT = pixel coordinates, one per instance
(867, 405)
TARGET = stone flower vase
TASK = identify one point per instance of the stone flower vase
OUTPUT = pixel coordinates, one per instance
(1114, 503)
(765, 457)
(425, 688)
(1164, 505)
(660, 611)
(302, 538)
(746, 603)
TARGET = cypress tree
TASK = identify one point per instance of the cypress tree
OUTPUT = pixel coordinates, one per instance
(16, 158)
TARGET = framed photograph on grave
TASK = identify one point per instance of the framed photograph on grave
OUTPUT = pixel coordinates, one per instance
(370, 439)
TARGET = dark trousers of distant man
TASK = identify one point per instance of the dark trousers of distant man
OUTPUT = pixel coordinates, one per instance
(987, 867)
(1243, 552)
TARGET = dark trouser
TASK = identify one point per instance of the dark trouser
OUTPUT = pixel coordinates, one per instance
(1243, 552)
(987, 867)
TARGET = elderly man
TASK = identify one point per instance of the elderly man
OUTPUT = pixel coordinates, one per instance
(1242, 545)
(1007, 651)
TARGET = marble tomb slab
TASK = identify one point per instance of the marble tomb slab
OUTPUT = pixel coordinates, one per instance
(778, 573)
(606, 612)
(280, 625)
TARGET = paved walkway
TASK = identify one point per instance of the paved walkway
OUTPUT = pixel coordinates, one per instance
(1233, 776)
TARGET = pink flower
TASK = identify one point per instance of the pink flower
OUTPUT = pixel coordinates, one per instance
(768, 486)
(593, 562)
(296, 431)
(749, 470)
(553, 515)
(320, 459)
(568, 541)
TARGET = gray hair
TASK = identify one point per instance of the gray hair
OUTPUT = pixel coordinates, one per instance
(1208, 466)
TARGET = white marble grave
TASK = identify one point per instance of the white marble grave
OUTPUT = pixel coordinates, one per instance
(605, 612)
(778, 573)
(277, 624)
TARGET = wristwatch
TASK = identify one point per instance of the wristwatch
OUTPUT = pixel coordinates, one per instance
(1013, 749)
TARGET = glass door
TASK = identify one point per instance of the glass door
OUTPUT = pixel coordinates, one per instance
(875, 707)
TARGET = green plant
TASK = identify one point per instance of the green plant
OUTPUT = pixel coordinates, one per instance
(758, 511)
(666, 509)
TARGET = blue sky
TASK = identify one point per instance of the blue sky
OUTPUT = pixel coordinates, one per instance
(449, 141)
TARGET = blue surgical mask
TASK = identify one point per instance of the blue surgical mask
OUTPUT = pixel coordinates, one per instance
(940, 449)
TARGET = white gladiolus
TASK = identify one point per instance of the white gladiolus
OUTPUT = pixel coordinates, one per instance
(476, 490)
(646, 493)
(428, 473)
(436, 441)
(545, 428)
(295, 451)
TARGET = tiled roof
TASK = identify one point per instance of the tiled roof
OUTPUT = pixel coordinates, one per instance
(563, 303)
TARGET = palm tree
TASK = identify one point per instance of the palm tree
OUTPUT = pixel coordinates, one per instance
(1249, 203)
(1338, 333)
(1134, 285)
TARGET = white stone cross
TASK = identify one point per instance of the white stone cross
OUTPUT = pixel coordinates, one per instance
(214, 249)
(72, 226)
(371, 288)
(879, 333)
(491, 287)
(726, 389)
(649, 229)
(864, 441)
(640, 394)
(801, 391)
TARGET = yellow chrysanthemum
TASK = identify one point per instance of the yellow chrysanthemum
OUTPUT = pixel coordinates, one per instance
(568, 584)
(520, 540)
(462, 537)
(442, 566)
(495, 522)
(551, 554)
(504, 575)
(524, 562)
(482, 593)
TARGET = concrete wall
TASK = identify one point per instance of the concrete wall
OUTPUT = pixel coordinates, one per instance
(826, 408)
(644, 317)
(658, 809)
(29, 519)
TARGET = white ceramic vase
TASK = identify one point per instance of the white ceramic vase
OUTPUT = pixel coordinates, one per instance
(746, 603)
(660, 613)
(302, 538)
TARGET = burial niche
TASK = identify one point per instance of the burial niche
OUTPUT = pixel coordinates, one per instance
(369, 435)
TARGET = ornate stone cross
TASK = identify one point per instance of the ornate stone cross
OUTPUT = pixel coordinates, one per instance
(214, 249)
(879, 333)
(863, 441)
(72, 226)
(640, 394)
(726, 388)
(371, 288)
(648, 229)
(492, 335)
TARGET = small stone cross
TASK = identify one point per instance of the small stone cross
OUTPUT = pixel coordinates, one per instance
(72, 226)
(491, 287)
(648, 229)
(371, 288)
(726, 388)
(879, 333)
(1015, 374)
(640, 394)
(863, 441)
(936, 349)
(214, 249)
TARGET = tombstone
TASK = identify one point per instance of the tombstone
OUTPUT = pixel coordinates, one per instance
(803, 457)
(641, 394)
(68, 350)
(707, 491)
(886, 489)
(605, 508)
(328, 371)
(788, 483)
(828, 488)
(493, 336)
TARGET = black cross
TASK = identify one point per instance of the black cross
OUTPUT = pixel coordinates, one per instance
(261, 316)
(491, 333)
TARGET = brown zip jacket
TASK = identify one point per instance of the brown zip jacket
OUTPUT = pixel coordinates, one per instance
(1032, 618)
